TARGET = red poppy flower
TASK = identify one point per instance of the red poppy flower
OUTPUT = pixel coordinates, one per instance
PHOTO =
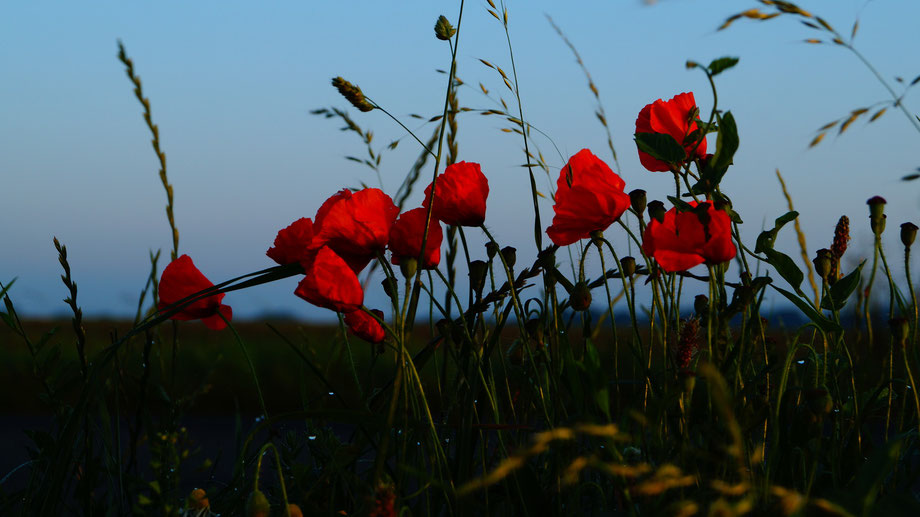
(589, 197)
(292, 243)
(355, 226)
(683, 241)
(460, 196)
(406, 238)
(330, 282)
(182, 279)
(365, 326)
(672, 118)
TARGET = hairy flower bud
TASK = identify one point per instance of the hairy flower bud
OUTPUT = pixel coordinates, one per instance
(257, 505)
(580, 297)
(491, 249)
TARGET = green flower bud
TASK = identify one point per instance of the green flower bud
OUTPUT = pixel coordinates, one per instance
(491, 249)
(408, 266)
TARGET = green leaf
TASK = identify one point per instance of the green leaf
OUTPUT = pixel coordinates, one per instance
(766, 238)
(842, 289)
(597, 378)
(786, 268)
(726, 145)
(682, 206)
(662, 147)
(722, 64)
(819, 319)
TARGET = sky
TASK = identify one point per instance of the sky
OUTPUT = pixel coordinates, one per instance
(232, 86)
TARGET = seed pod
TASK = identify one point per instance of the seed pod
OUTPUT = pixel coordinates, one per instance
(637, 200)
(656, 210)
(491, 249)
(408, 266)
(478, 271)
(628, 265)
(908, 234)
(509, 253)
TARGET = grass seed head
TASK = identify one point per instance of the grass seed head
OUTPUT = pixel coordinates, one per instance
(352, 94)
(443, 30)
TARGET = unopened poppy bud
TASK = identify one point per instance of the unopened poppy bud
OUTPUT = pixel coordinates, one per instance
(408, 266)
(478, 271)
(546, 259)
(900, 329)
(293, 511)
(908, 234)
(628, 266)
(443, 30)
(197, 500)
(491, 249)
(352, 94)
(701, 304)
(257, 505)
(823, 262)
(656, 210)
(637, 200)
(580, 297)
(509, 253)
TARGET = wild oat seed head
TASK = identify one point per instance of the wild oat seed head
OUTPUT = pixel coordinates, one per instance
(443, 30)
(352, 94)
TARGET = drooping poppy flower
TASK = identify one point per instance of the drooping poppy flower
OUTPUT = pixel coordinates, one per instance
(181, 279)
(682, 240)
(365, 326)
(673, 118)
(589, 197)
(406, 238)
(355, 225)
(292, 244)
(460, 195)
(330, 282)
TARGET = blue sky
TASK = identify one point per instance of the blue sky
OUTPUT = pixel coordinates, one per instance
(232, 85)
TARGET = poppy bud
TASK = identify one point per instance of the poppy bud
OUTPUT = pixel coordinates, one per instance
(197, 500)
(257, 505)
(628, 266)
(509, 253)
(908, 234)
(900, 329)
(491, 249)
(701, 304)
(823, 261)
(478, 271)
(580, 298)
(534, 329)
(408, 266)
(546, 259)
(656, 210)
(637, 200)
(443, 30)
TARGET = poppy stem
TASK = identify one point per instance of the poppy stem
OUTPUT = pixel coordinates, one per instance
(252, 367)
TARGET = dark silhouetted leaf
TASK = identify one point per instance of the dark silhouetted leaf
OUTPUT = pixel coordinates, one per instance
(842, 289)
(819, 319)
(722, 64)
(661, 147)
